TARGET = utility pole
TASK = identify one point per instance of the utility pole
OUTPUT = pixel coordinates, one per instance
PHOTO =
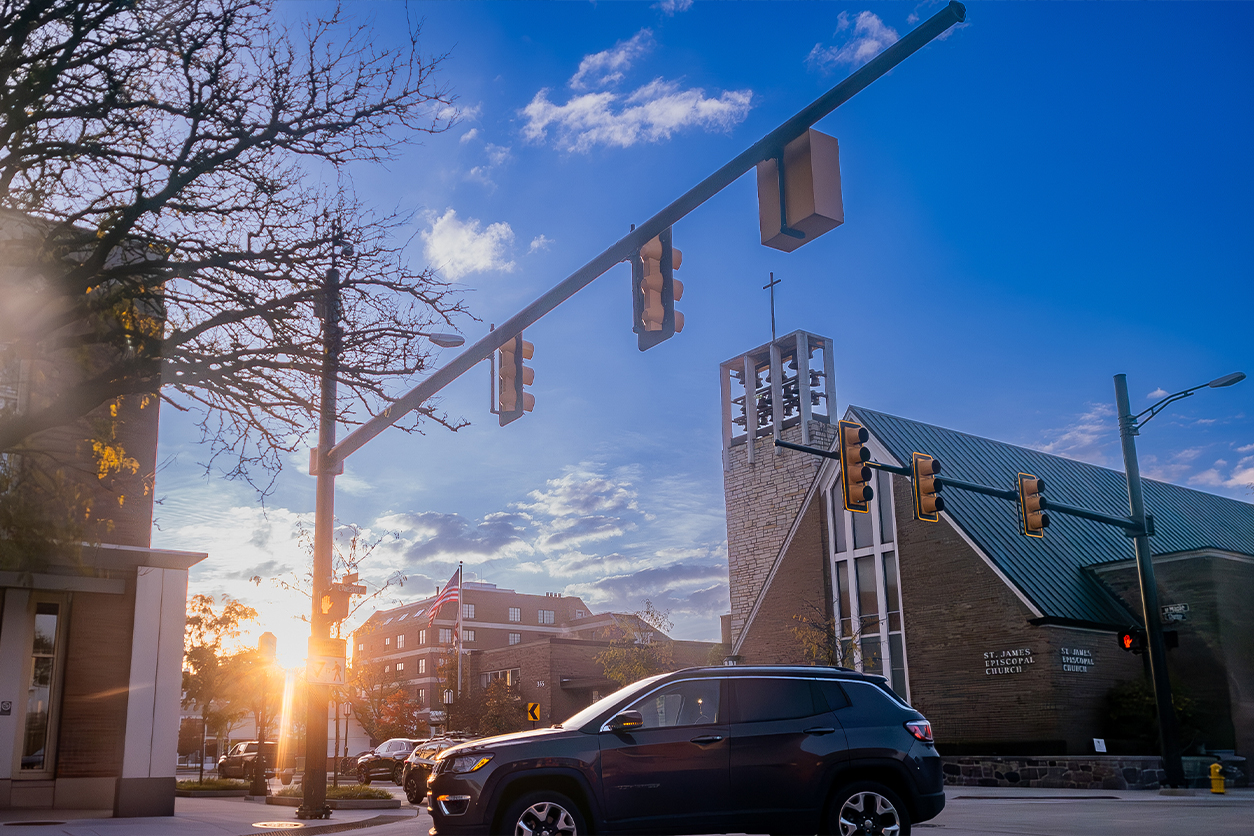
(1156, 651)
(313, 805)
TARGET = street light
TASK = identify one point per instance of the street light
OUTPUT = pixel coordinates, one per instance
(1129, 428)
(444, 340)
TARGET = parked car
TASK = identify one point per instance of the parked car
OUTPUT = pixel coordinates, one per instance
(767, 749)
(417, 767)
(241, 760)
(385, 760)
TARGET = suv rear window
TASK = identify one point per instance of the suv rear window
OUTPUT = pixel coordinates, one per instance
(759, 699)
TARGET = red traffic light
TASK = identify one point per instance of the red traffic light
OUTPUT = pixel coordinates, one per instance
(1132, 640)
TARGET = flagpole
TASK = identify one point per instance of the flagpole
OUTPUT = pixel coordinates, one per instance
(461, 607)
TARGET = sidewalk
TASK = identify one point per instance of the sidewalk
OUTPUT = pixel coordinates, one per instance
(208, 817)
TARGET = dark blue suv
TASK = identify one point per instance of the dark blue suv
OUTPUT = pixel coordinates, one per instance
(774, 750)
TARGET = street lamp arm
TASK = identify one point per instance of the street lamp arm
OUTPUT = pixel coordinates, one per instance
(1158, 407)
(1217, 383)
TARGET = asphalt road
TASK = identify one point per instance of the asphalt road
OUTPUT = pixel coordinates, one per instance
(972, 811)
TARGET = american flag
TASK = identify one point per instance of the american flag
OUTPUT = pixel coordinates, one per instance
(452, 592)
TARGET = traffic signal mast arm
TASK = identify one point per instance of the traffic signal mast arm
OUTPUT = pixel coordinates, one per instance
(766, 148)
(1053, 506)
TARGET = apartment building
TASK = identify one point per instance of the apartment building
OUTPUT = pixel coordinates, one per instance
(410, 647)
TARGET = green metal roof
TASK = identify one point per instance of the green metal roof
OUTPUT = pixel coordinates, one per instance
(1052, 572)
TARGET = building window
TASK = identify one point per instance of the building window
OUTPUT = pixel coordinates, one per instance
(422, 666)
(422, 637)
(515, 614)
(387, 641)
(387, 668)
(515, 638)
(448, 696)
(546, 616)
(446, 635)
(468, 610)
(422, 696)
(400, 642)
(867, 599)
(404, 616)
(361, 646)
(40, 737)
(468, 635)
(511, 676)
(579, 613)
(386, 623)
(400, 667)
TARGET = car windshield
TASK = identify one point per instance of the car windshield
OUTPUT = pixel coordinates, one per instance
(590, 713)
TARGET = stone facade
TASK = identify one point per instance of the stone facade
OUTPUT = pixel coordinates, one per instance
(763, 501)
(1090, 773)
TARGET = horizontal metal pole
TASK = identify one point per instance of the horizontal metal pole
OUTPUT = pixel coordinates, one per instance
(892, 468)
(814, 451)
(947, 482)
(766, 148)
(1070, 510)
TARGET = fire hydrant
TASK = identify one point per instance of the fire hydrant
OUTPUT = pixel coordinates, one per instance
(1217, 777)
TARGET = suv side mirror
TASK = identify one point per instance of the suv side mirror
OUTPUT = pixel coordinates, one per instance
(625, 721)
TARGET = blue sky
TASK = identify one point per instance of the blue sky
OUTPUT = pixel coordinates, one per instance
(1053, 194)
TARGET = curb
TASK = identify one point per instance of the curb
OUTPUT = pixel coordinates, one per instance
(210, 793)
(341, 803)
(336, 828)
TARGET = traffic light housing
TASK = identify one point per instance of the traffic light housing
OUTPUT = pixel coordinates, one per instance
(655, 290)
(512, 376)
(1133, 640)
(1032, 517)
(854, 474)
(337, 600)
(927, 500)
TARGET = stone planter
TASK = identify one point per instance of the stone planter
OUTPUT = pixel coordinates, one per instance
(341, 803)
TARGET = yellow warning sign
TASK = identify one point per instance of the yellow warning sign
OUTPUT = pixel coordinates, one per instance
(533, 711)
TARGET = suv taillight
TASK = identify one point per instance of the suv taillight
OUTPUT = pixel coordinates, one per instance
(921, 729)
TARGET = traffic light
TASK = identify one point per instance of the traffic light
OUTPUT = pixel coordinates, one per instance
(337, 599)
(854, 474)
(655, 291)
(1032, 518)
(927, 502)
(512, 400)
(1133, 640)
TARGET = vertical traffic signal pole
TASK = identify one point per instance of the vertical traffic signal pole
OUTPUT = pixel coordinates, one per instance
(314, 784)
(1157, 654)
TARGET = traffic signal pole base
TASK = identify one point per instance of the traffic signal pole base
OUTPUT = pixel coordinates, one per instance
(302, 813)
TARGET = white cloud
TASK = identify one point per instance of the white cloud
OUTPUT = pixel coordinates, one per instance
(870, 37)
(469, 135)
(652, 113)
(1087, 436)
(1249, 448)
(670, 8)
(1160, 392)
(458, 248)
(540, 242)
(602, 69)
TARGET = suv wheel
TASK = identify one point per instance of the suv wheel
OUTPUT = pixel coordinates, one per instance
(414, 791)
(544, 813)
(363, 775)
(868, 809)
(398, 774)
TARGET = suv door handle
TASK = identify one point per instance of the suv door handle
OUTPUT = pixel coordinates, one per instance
(820, 730)
(707, 738)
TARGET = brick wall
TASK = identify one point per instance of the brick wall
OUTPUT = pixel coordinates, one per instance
(797, 589)
(1214, 664)
(763, 500)
(97, 673)
(956, 610)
